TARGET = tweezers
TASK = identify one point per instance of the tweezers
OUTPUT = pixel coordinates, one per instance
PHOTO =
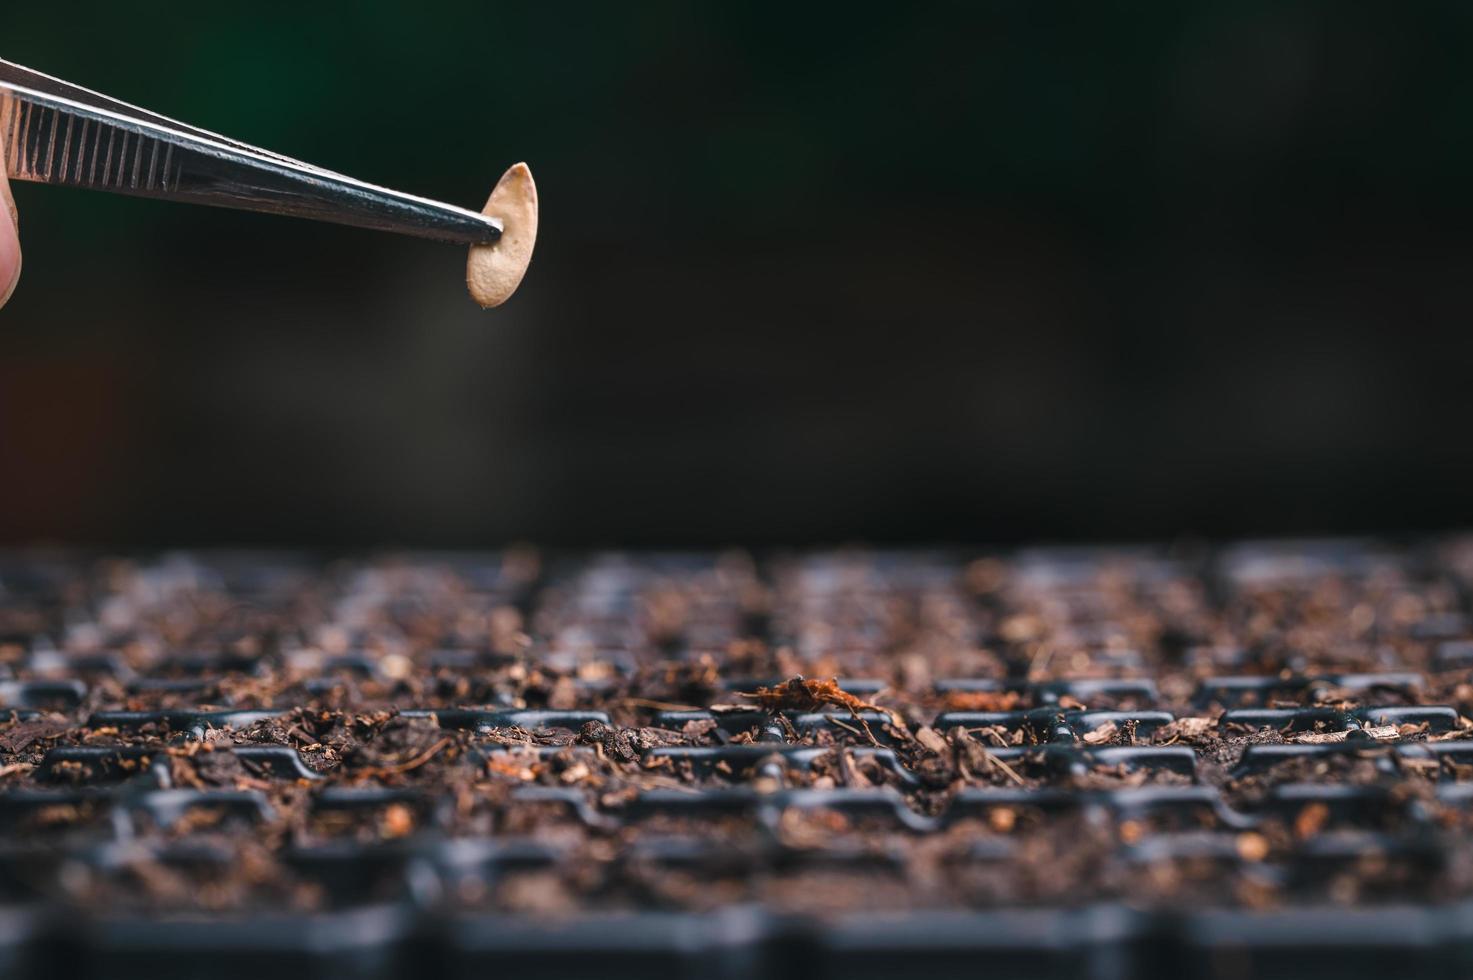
(59, 133)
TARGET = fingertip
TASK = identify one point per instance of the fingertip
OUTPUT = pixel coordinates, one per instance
(10, 254)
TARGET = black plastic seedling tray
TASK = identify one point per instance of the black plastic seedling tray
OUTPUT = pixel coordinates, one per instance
(1250, 762)
(1092, 942)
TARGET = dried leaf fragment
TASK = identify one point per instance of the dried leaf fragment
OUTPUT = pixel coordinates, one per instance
(932, 741)
(983, 700)
(1185, 730)
(1378, 732)
(797, 694)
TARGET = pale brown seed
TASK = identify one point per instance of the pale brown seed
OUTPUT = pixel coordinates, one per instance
(493, 272)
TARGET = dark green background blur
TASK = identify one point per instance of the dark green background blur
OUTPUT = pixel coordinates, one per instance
(982, 271)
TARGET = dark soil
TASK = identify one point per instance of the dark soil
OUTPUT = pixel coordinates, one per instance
(818, 733)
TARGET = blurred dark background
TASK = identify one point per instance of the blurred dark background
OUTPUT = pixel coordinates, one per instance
(981, 271)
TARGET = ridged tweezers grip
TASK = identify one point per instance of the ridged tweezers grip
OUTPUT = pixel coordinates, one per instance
(43, 143)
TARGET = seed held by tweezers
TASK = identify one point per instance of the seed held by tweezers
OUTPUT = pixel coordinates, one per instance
(494, 271)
